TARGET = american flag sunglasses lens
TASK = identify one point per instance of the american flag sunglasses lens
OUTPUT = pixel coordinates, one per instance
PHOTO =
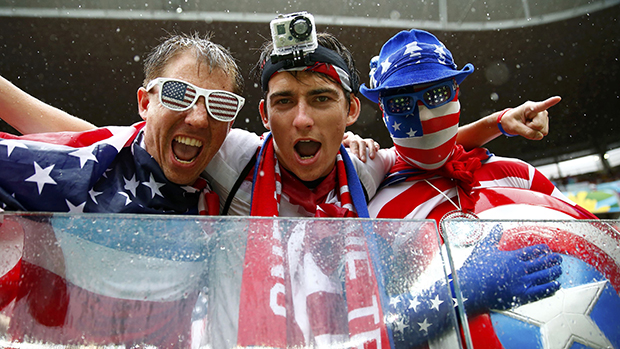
(177, 95)
(223, 106)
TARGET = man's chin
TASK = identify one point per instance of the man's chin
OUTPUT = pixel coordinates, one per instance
(181, 176)
(310, 173)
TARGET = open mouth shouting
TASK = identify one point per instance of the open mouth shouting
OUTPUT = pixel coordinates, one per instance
(186, 149)
(307, 149)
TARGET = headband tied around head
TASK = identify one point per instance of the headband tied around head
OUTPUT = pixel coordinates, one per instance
(322, 60)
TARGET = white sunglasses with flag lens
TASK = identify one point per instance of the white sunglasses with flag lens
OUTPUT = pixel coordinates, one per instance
(432, 97)
(179, 95)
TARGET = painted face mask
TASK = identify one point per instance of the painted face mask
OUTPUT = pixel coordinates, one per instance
(422, 121)
(423, 124)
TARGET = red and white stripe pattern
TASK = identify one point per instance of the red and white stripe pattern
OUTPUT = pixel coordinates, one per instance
(222, 105)
(416, 198)
(439, 126)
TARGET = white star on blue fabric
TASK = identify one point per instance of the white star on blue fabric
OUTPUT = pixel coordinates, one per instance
(399, 325)
(411, 133)
(12, 145)
(394, 300)
(412, 49)
(455, 302)
(93, 195)
(127, 198)
(424, 325)
(441, 51)
(436, 303)
(385, 65)
(41, 176)
(396, 126)
(131, 185)
(564, 318)
(84, 154)
(413, 304)
(75, 209)
(154, 186)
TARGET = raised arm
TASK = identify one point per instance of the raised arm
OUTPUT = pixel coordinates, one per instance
(30, 115)
(529, 120)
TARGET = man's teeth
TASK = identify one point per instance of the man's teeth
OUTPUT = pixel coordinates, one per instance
(183, 161)
(188, 141)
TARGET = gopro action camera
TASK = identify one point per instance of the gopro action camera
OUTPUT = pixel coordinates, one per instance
(293, 33)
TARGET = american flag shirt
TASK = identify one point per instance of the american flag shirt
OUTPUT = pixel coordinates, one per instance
(104, 170)
(416, 199)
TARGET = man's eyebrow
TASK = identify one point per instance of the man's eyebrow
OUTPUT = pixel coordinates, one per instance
(314, 92)
(283, 93)
(322, 90)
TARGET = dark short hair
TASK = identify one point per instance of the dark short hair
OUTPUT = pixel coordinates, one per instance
(206, 51)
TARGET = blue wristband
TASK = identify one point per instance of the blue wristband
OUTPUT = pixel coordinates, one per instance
(499, 124)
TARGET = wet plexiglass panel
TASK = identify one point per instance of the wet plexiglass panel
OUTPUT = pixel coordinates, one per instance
(189, 282)
(537, 284)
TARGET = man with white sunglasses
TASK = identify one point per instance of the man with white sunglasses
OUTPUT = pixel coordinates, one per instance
(142, 168)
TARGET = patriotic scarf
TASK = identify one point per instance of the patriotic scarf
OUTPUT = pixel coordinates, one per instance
(460, 167)
(103, 170)
(289, 297)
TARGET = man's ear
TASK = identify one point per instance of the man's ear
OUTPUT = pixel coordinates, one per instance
(354, 110)
(143, 102)
(263, 114)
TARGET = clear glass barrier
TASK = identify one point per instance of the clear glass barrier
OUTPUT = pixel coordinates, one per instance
(190, 282)
(518, 294)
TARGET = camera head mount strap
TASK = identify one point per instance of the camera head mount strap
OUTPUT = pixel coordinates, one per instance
(322, 60)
